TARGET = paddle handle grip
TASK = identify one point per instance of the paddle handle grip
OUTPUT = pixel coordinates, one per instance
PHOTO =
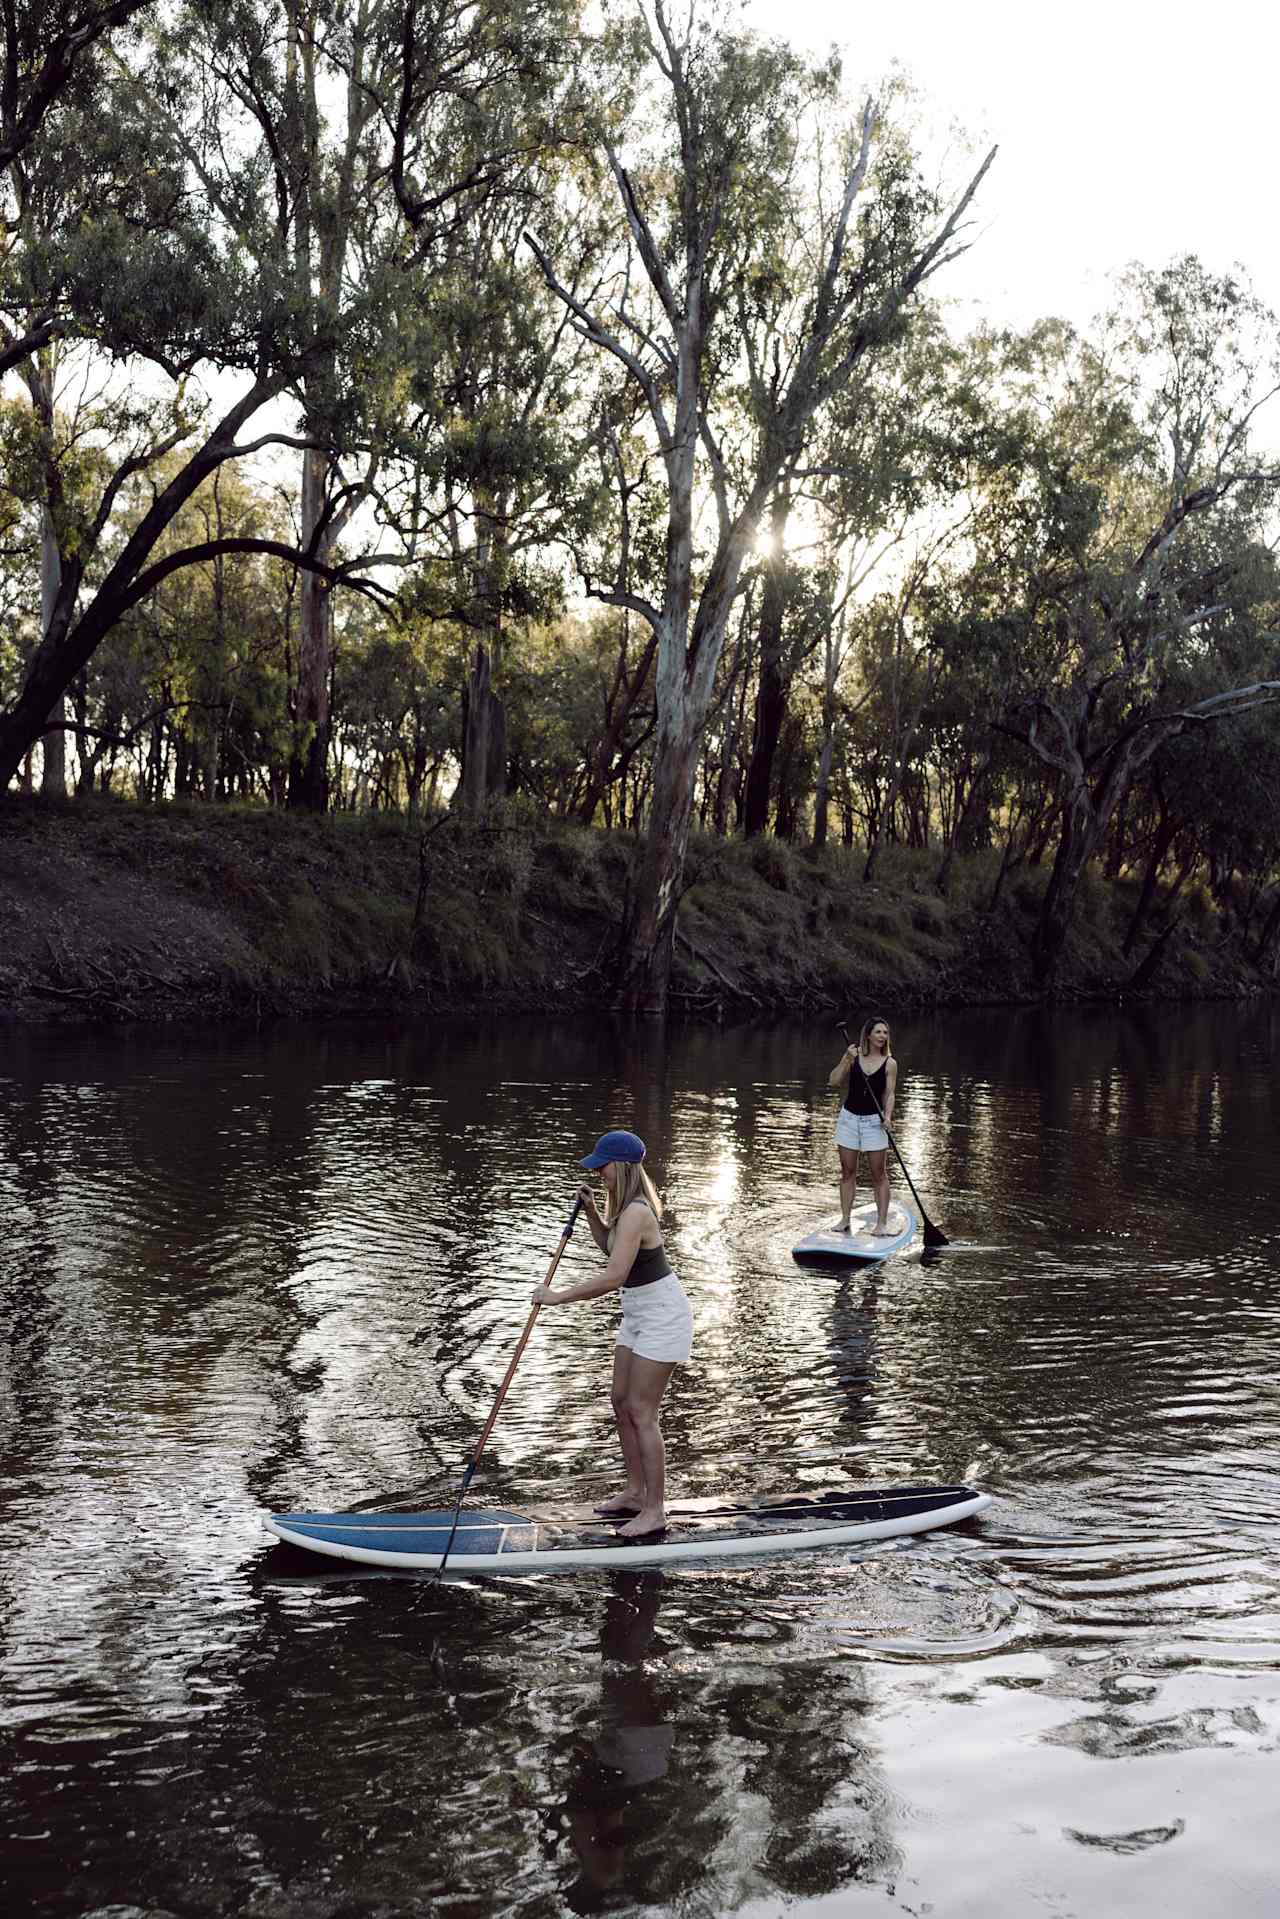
(523, 1341)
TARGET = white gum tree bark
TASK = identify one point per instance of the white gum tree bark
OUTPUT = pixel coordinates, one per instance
(694, 226)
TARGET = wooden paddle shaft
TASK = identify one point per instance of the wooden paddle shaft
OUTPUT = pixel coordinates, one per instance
(483, 1440)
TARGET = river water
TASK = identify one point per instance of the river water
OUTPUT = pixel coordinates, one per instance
(256, 1272)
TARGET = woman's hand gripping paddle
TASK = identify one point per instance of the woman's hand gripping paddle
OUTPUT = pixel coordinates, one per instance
(523, 1341)
(933, 1236)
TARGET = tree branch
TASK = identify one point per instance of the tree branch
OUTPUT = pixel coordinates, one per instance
(594, 330)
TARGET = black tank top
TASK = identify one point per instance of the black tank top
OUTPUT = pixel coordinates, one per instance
(650, 1263)
(857, 1098)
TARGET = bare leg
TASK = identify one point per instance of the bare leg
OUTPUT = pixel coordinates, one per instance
(879, 1168)
(848, 1185)
(632, 1500)
(646, 1383)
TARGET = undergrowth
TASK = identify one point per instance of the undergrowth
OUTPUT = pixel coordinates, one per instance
(100, 901)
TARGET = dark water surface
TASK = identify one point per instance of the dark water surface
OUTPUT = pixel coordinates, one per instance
(244, 1273)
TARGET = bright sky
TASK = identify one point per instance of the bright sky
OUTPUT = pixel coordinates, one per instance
(1127, 131)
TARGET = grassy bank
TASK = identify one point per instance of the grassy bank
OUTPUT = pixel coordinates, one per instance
(110, 911)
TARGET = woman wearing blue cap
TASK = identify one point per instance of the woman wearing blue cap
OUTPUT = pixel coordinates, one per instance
(656, 1332)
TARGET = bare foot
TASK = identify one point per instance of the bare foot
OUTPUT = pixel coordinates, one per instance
(621, 1506)
(882, 1232)
(652, 1520)
(842, 1226)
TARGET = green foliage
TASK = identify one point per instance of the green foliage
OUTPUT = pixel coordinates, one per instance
(1074, 527)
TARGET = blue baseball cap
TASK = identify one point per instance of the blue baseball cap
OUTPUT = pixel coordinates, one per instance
(628, 1147)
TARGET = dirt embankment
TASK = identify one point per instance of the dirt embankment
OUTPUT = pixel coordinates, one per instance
(112, 911)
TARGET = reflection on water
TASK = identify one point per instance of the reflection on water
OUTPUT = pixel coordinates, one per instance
(716, 1779)
(607, 1807)
(283, 1271)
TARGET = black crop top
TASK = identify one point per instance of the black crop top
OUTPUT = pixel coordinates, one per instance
(857, 1098)
(650, 1263)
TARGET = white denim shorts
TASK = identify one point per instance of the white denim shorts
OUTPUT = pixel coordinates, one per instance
(861, 1132)
(657, 1321)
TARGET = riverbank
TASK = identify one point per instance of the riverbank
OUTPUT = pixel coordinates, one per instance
(114, 911)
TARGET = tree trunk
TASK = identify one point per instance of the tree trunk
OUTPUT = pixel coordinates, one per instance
(771, 691)
(1082, 829)
(72, 640)
(822, 785)
(728, 786)
(54, 777)
(650, 936)
(1145, 972)
(906, 725)
(1270, 934)
(619, 706)
(965, 814)
(484, 720)
(309, 760)
(39, 375)
(88, 768)
(786, 819)
(216, 672)
(1116, 840)
(484, 745)
(1166, 833)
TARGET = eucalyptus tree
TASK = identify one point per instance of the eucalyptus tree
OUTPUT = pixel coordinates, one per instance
(1208, 799)
(712, 134)
(68, 176)
(889, 482)
(493, 462)
(835, 707)
(44, 43)
(1136, 517)
(143, 292)
(203, 661)
(317, 92)
(221, 313)
(876, 460)
(47, 47)
(621, 714)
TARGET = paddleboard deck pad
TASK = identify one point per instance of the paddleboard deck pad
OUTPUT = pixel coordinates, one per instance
(515, 1542)
(860, 1247)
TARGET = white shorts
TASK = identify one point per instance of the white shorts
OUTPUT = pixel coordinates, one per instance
(861, 1132)
(657, 1321)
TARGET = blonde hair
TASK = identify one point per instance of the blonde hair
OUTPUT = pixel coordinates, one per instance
(864, 1037)
(635, 1183)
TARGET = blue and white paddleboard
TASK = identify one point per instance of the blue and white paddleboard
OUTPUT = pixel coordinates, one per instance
(489, 1542)
(860, 1246)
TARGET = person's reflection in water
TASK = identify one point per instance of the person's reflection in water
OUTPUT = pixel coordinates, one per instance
(631, 1750)
(852, 1341)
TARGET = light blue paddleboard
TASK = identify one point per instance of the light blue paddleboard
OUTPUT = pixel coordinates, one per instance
(860, 1247)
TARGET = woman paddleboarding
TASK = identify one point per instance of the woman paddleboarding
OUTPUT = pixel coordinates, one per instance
(656, 1331)
(869, 1074)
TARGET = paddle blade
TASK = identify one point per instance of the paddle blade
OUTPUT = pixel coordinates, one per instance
(933, 1235)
